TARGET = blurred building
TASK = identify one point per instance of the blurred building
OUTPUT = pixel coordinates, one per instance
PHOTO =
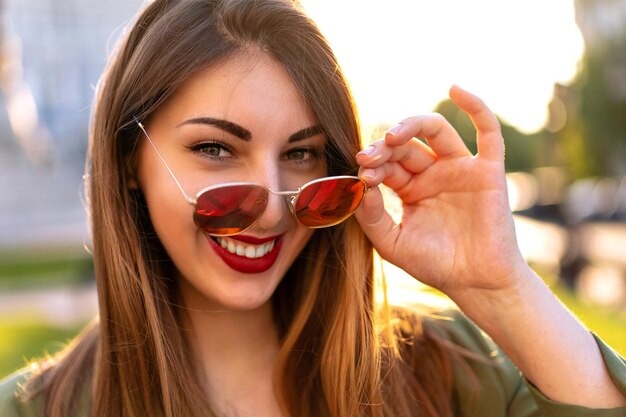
(51, 55)
(64, 46)
(603, 25)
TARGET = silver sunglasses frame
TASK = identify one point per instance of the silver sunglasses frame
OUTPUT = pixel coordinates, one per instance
(290, 196)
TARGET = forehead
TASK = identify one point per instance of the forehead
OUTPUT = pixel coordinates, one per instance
(247, 89)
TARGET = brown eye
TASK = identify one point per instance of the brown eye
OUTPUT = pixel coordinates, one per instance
(302, 155)
(212, 150)
(298, 154)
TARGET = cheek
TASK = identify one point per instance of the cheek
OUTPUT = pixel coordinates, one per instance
(168, 209)
(301, 238)
(172, 220)
(171, 215)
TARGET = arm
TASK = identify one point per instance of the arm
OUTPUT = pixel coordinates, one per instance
(546, 342)
(457, 235)
(501, 390)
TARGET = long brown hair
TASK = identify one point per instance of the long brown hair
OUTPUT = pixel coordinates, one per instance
(341, 355)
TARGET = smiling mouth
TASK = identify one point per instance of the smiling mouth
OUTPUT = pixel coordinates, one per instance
(247, 250)
(247, 254)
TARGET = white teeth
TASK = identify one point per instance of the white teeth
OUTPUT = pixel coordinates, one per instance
(249, 251)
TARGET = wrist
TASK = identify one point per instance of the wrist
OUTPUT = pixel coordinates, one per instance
(485, 305)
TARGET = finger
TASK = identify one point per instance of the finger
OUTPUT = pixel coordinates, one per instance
(438, 132)
(414, 155)
(396, 176)
(372, 176)
(489, 135)
(376, 154)
(376, 222)
(392, 174)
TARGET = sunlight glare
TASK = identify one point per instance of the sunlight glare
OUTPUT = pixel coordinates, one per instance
(401, 58)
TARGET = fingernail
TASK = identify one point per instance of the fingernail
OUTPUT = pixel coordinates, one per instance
(367, 151)
(371, 153)
(368, 174)
(396, 129)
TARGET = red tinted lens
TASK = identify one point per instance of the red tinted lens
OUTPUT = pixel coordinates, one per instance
(230, 209)
(328, 202)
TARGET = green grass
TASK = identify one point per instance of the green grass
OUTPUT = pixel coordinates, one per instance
(23, 339)
(23, 342)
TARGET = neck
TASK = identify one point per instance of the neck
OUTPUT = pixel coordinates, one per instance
(236, 350)
(231, 336)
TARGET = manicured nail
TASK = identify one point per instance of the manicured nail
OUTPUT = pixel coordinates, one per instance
(396, 129)
(368, 174)
(367, 151)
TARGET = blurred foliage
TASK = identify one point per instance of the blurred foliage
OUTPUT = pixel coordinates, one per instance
(523, 152)
(23, 272)
(586, 132)
(593, 139)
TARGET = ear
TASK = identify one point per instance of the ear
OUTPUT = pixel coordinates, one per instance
(131, 178)
(131, 182)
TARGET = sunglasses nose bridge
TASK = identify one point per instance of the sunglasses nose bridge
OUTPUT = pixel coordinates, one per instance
(275, 215)
(290, 197)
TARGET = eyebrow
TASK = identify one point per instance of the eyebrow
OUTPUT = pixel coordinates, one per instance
(229, 127)
(244, 134)
(305, 133)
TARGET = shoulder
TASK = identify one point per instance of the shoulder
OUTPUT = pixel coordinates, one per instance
(448, 326)
(450, 332)
(12, 402)
(453, 326)
(472, 347)
(484, 380)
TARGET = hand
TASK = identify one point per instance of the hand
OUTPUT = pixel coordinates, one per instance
(457, 231)
(457, 234)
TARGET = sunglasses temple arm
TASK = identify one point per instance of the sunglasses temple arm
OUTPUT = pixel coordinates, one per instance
(187, 197)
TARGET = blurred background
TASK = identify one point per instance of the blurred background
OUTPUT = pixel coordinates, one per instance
(554, 72)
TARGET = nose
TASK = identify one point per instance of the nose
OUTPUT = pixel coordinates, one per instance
(277, 215)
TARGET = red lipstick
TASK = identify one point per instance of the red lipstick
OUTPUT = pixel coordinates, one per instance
(254, 240)
(248, 265)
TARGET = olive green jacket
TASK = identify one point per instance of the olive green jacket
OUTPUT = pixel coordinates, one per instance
(501, 392)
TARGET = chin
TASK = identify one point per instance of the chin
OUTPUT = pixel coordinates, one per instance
(237, 292)
(243, 305)
(244, 300)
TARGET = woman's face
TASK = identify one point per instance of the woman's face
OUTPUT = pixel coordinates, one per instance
(239, 121)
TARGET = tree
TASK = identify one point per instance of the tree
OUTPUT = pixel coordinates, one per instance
(523, 152)
(594, 136)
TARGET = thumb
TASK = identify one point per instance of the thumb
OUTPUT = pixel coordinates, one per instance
(376, 222)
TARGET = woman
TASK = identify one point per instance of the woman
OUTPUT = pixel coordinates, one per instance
(221, 294)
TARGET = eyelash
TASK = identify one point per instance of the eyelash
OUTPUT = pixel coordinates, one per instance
(313, 151)
(200, 148)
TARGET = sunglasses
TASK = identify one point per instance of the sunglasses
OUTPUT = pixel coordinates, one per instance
(232, 208)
